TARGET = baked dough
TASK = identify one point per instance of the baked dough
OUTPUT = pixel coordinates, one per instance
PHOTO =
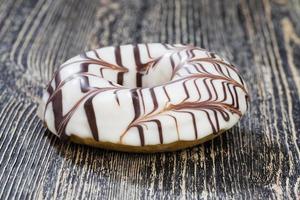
(144, 98)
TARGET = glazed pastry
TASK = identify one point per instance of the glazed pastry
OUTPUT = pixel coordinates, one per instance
(144, 98)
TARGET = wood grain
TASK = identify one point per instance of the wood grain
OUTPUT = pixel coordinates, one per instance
(257, 159)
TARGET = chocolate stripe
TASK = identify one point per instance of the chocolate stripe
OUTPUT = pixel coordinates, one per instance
(57, 105)
(139, 66)
(118, 56)
(159, 127)
(91, 117)
(137, 113)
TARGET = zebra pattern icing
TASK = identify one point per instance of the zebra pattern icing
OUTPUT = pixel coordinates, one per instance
(144, 94)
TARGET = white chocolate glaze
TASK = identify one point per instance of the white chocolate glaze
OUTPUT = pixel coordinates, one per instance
(145, 94)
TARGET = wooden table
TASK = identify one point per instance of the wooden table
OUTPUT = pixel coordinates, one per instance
(259, 158)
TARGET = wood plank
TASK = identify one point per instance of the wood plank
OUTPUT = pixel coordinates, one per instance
(257, 159)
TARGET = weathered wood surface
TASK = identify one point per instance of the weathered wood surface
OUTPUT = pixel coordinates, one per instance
(258, 159)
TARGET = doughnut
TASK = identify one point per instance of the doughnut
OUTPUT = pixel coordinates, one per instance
(144, 98)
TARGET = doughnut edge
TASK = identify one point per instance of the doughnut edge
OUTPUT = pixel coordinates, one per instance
(174, 146)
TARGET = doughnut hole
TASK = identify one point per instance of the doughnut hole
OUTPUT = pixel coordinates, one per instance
(157, 72)
(160, 74)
